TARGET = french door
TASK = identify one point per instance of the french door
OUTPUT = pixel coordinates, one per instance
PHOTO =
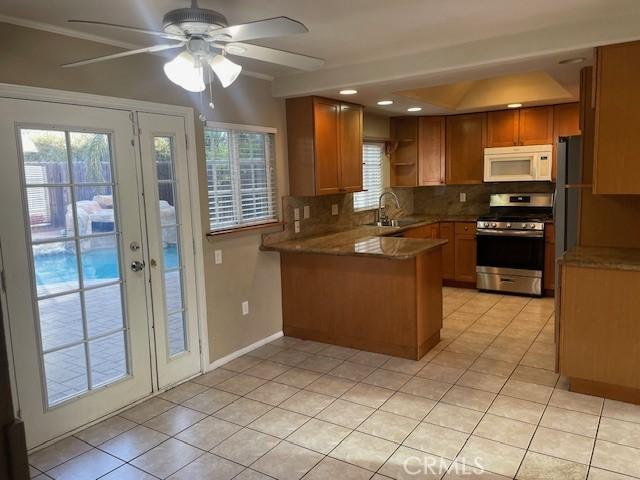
(96, 261)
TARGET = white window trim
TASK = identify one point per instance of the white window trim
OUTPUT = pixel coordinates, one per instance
(246, 128)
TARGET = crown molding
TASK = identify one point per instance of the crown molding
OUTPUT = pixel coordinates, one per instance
(68, 32)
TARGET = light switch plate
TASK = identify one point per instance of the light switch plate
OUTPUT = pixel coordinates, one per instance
(463, 197)
(296, 226)
(245, 308)
(334, 209)
(306, 212)
(296, 214)
(218, 256)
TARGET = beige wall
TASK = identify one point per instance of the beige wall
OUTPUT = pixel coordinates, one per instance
(31, 57)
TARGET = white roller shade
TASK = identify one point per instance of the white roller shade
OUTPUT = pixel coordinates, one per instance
(372, 155)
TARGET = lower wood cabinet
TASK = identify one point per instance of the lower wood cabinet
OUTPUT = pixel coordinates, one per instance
(425, 231)
(549, 274)
(599, 330)
(448, 265)
(465, 252)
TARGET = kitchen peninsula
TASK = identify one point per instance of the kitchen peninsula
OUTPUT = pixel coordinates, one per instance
(363, 288)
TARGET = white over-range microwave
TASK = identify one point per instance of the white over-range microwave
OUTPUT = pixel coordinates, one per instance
(518, 164)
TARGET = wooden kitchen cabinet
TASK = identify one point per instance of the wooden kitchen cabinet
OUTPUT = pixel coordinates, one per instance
(598, 329)
(325, 146)
(431, 151)
(465, 252)
(424, 231)
(523, 126)
(419, 158)
(465, 141)
(616, 98)
(535, 126)
(566, 122)
(448, 265)
(502, 128)
(549, 258)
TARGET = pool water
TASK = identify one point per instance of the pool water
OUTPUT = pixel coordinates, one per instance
(97, 264)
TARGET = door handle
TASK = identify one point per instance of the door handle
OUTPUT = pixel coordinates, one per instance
(137, 266)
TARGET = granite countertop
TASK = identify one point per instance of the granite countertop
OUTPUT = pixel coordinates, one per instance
(603, 257)
(369, 241)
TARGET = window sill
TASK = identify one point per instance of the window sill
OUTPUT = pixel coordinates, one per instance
(274, 226)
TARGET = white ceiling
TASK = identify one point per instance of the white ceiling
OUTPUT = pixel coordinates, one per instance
(383, 46)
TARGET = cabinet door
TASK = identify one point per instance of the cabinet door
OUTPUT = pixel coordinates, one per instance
(465, 139)
(465, 252)
(617, 109)
(446, 232)
(404, 159)
(425, 231)
(326, 118)
(502, 128)
(431, 150)
(566, 122)
(350, 148)
(536, 126)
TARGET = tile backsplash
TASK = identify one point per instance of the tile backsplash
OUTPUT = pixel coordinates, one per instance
(438, 200)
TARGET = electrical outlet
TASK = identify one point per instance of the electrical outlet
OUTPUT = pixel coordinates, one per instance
(296, 226)
(245, 308)
(307, 212)
(334, 209)
(463, 197)
(218, 257)
(296, 214)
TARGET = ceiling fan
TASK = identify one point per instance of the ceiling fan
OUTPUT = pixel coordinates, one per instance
(208, 40)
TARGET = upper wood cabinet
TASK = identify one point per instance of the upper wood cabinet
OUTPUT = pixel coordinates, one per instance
(465, 141)
(616, 168)
(419, 158)
(404, 160)
(431, 151)
(524, 126)
(502, 128)
(566, 122)
(325, 146)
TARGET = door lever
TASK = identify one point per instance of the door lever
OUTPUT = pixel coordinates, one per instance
(137, 266)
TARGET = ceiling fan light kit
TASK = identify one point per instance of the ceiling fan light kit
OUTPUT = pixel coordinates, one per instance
(207, 39)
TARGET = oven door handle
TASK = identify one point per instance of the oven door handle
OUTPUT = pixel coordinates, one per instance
(510, 233)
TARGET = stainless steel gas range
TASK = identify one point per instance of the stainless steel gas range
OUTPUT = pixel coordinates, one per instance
(510, 243)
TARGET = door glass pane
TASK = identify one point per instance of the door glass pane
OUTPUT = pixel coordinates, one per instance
(171, 263)
(45, 156)
(72, 312)
(66, 373)
(108, 358)
(56, 267)
(90, 157)
(60, 321)
(104, 310)
(50, 212)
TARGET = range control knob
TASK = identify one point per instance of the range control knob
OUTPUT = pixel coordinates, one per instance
(532, 225)
(494, 225)
(508, 225)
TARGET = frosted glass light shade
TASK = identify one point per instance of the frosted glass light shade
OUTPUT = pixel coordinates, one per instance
(184, 71)
(225, 69)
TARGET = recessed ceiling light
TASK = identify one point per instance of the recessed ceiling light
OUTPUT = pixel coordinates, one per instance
(348, 91)
(414, 109)
(568, 61)
(385, 102)
(514, 105)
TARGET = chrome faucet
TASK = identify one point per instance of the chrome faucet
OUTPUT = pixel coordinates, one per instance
(383, 219)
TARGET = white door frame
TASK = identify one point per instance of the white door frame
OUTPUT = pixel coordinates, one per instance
(22, 92)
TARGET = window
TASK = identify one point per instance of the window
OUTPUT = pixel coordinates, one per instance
(372, 155)
(241, 176)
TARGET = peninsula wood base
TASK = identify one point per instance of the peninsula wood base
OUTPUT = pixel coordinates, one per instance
(374, 304)
(606, 390)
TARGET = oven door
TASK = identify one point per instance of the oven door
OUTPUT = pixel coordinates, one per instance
(510, 260)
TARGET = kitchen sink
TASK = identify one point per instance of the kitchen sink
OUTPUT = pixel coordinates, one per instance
(399, 222)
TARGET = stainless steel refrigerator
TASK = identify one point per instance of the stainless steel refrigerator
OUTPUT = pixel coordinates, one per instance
(567, 196)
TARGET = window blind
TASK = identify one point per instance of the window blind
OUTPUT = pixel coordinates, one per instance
(241, 177)
(37, 197)
(372, 155)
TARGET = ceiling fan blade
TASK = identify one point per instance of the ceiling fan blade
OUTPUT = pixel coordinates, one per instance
(271, 55)
(132, 29)
(154, 48)
(271, 27)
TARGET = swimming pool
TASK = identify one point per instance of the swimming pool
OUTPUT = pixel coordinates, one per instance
(97, 264)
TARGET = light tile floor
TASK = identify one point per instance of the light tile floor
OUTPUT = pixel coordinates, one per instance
(484, 403)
